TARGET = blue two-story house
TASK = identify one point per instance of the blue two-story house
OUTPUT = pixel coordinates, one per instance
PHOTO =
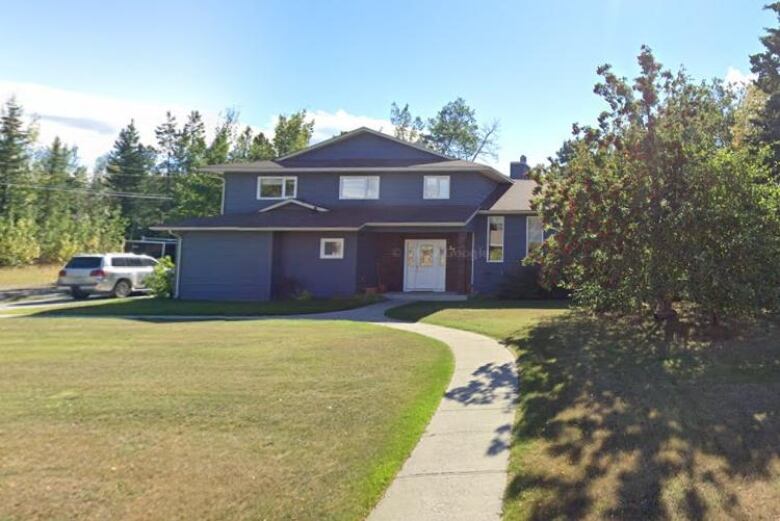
(363, 211)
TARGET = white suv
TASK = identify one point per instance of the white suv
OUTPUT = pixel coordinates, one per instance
(117, 274)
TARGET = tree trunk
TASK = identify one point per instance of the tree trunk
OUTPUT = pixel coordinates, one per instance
(664, 309)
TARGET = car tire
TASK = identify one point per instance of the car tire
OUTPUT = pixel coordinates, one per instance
(122, 289)
(77, 294)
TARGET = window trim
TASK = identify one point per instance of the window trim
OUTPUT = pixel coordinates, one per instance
(284, 179)
(439, 177)
(527, 220)
(324, 240)
(366, 177)
(503, 238)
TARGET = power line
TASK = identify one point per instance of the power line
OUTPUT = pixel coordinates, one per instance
(105, 193)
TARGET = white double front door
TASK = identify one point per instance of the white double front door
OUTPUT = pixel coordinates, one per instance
(425, 264)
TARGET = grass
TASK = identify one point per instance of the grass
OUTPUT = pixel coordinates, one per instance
(283, 420)
(35, 275)
(170, 307)
(628, 419)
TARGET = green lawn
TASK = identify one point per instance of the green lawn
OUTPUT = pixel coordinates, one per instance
(622, 419)
(29, 276)
(282, 420)
(169, 307)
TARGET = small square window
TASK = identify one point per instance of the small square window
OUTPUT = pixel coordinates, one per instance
(331, 248)
(436, 187)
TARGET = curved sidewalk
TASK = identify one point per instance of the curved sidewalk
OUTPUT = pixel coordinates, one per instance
(458, 470)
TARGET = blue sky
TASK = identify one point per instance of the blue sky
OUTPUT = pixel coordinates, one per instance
(87, 67)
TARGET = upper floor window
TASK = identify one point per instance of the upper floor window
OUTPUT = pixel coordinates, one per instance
(359, 187)
(495, 238)
(276, 187)
(534, 233)
(436, 187)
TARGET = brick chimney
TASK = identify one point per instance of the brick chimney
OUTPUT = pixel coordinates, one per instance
(519, 169)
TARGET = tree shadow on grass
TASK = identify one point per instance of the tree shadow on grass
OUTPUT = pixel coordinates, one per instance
(633, 421)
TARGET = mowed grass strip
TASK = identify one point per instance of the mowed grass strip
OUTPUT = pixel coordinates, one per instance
(140, 306)
(629, 419)
(120, 419)
(36, 275)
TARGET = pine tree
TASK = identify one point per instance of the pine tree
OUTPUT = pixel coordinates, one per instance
(16, 199)
(128, 168)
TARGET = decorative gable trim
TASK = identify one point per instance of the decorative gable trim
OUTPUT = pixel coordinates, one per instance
(356, 132)
(294, 201)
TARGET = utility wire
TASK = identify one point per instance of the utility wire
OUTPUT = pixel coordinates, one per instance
(106, 193)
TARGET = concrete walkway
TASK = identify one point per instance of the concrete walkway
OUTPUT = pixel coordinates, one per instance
(458, 470)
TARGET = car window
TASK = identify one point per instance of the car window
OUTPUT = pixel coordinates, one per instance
(135, 262)
(84, 263)
(148, 262)
(119, 262)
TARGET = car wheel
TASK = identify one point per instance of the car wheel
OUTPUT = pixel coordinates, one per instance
(77, 294)
(122, 289)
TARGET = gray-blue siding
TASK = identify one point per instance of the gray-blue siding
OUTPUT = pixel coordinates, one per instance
(402, 189)
(297, 257)
(489, 275)
(225, 266)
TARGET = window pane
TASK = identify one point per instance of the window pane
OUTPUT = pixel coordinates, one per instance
(535, 232)
(496, 253)
(332, 248)
(496, 238)
(353, 187)
(426, 256)
(271, 186)
(431, 187)
(437, 187)
(289, 186)
(372, 192)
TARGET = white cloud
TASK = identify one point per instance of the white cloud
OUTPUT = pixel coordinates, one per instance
(329, 124)
(92, 121)
(738, 78)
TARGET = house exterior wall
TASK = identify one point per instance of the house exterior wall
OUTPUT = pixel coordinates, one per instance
(395, 188)
(297, 259)
(225, 266)
(489, 275)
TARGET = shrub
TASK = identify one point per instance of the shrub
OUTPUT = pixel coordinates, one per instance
(161, 279)
(18, 244)
(524, 282)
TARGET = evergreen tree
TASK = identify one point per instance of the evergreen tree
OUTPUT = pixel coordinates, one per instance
(766, 65)
(16, 198)
(127, 171)
(168, 147)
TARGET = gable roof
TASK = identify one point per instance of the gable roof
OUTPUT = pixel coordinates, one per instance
(358, 131)
(424, 160)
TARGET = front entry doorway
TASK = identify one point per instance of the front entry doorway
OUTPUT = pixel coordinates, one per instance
(425, 264)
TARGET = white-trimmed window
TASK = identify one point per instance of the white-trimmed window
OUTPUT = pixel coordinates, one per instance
(331, 248)
(269, 187)
(534, 233)
(436, 187)
(359, 187)
(495, 238)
